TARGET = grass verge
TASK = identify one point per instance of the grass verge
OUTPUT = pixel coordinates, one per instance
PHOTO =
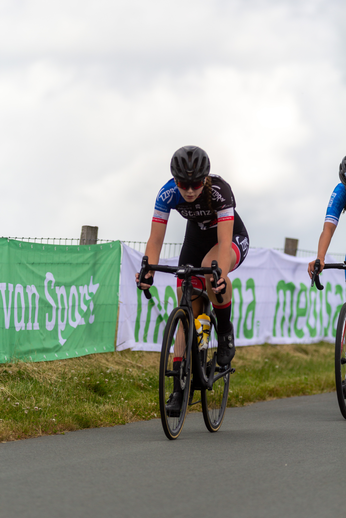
(117, 388)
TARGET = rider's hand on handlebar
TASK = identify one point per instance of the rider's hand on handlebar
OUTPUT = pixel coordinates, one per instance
(145, 286)
(221, 286)
(311, 266)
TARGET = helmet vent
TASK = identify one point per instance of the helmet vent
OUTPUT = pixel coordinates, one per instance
(203, 163)
(177, 165)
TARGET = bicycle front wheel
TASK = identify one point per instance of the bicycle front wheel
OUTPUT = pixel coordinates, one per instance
(177, 324)
(214, 401)
(340, 361)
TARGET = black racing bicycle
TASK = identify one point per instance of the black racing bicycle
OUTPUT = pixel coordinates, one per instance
(198, 368)
(340, 339)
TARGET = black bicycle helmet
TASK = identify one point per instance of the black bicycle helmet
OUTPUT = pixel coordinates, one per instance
(190, 164)
(342, 171)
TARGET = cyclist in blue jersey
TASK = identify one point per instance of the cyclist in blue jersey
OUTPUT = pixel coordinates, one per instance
(336, 205)
(214, 231)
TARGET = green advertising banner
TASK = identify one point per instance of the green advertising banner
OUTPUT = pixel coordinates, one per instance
(57, 301)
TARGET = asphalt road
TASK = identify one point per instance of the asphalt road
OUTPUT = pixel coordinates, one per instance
(279, 459)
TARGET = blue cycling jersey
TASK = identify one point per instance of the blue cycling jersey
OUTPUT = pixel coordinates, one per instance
(336, 204)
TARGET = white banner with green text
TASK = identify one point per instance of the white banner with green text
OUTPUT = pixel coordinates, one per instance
(273, 302)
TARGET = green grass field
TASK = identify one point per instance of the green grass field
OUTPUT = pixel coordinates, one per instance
(117, 388)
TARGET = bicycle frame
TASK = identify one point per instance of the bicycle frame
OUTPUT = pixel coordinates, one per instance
(185, 273)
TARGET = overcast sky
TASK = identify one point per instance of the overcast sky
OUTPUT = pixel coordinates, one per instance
(96, 96)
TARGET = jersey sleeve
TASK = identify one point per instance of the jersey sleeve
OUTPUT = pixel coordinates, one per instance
(225, 214)
(336, 204)
(223, 199)
(165, 201)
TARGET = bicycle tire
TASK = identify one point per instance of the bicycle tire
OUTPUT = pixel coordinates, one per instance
(172, 425)
(214, 400)
(340, 361)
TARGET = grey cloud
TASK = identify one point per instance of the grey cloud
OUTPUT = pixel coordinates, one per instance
(95, 97)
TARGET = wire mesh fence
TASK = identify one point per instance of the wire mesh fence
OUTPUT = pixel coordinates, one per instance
(173, 250)
(52, 240)
(169, 250)
(308, 253)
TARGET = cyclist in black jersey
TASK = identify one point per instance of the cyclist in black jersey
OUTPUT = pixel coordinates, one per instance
(214, 230)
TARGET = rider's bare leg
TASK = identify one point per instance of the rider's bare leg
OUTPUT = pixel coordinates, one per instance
(226, 349)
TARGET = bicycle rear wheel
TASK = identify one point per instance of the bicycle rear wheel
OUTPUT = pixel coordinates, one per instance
(340, 361)
(173, 424)
(214, 401)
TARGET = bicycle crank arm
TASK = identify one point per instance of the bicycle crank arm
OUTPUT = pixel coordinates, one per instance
(169, 374)
(195, 402)
(220, 374)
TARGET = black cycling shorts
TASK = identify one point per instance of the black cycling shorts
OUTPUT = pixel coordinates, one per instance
(197, 244)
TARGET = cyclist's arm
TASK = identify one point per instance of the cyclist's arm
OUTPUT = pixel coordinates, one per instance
(323, 245)
(153, 248)
(337, 203)
(155, 242)
(224, 237)
(164, 203)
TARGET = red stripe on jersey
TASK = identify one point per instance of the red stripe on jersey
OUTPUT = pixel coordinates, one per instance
(159, 220)
(226, 218)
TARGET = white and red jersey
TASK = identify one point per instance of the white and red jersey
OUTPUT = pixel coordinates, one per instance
(222, 202)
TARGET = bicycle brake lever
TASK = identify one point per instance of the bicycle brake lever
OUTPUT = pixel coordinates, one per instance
(216, 276)
(315, 276)
(144, 270)
(147, 294)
